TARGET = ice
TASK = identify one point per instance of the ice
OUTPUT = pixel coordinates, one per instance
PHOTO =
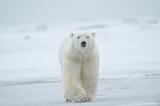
(129, 62)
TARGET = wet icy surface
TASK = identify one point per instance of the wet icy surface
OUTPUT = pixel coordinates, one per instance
(129, 63)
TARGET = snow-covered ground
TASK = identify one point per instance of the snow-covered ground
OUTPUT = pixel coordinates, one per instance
(129, 62)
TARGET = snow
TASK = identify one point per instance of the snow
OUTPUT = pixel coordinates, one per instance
(129, 62)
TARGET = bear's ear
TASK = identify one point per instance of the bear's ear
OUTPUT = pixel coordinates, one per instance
(93, 34)
(71, 34)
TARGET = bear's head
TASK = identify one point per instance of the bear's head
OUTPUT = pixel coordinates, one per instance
(83, 41)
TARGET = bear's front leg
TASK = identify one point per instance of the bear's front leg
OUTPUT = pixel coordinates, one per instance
(90, 79)
(71, 78)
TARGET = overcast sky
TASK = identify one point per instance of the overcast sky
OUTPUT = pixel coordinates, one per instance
(15, 12)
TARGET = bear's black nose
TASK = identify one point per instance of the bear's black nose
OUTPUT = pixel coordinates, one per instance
(83, 43)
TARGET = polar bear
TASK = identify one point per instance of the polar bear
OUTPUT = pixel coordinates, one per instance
(79, 60)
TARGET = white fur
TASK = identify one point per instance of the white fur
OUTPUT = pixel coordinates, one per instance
(79, 67)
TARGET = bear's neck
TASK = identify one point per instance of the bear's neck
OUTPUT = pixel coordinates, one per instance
(81, 56)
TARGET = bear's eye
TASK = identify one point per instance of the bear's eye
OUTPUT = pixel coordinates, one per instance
(78, 37)
(87, 37)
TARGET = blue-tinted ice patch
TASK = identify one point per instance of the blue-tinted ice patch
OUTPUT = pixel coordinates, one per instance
(89, 27)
